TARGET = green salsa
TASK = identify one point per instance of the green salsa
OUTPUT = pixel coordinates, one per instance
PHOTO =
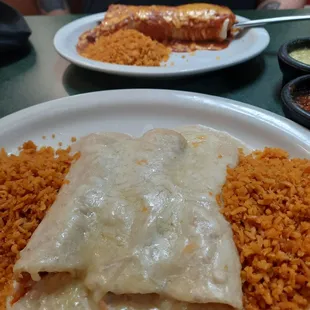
(302, 55)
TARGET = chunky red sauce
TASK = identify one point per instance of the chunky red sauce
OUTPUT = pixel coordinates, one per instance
(303, 100)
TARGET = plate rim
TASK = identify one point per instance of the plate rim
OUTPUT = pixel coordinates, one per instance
(78, 101)
(144, 71)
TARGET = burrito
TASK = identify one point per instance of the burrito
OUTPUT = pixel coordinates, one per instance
(190, 22)
(137, 227)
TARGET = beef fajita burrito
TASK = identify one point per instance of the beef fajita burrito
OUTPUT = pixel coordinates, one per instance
(137, 227)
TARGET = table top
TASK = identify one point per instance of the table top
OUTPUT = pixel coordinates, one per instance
(41, 74)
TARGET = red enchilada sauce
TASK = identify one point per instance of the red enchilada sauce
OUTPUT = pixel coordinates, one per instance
(176, 46)
(187, 46)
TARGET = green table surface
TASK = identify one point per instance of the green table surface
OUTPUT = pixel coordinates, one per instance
(42, 75)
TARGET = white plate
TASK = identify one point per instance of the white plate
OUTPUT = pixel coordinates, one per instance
(135, 111)
(249, 45)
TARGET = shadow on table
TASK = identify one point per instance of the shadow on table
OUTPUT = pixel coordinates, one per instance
(78, 80)
(277, 93)
(9, 57)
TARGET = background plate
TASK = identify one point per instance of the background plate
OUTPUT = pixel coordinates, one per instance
(134, 111)
(247, 46)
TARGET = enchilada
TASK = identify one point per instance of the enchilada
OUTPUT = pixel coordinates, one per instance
(191, 22)
(137, 226)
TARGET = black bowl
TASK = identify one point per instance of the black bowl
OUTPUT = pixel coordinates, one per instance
(14, 30)
(291, 109)
(290, 67)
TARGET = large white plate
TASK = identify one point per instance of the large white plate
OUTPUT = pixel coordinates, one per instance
(247, 46)
(136, 110)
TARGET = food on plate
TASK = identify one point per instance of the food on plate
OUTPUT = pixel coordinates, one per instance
(266, 198)
(187, 219)
(137, 226)
(302, 55)
(184, 28)
(190, 22)
(127, 47)
(29, 183)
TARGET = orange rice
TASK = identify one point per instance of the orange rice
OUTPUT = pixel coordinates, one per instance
(127, 47)
(29, 183)
(266, 198)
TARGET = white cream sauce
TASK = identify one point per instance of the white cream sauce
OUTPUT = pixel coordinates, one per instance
(140, 217)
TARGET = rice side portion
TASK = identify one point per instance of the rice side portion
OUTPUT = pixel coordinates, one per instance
(29, 183)
(266, 198)
(127, 47)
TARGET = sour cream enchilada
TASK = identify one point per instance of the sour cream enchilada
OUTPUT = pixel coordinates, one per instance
(137, 227)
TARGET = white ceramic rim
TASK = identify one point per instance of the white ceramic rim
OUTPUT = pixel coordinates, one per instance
(149, 99)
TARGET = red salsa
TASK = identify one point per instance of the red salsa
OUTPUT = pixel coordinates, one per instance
(303, 100)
